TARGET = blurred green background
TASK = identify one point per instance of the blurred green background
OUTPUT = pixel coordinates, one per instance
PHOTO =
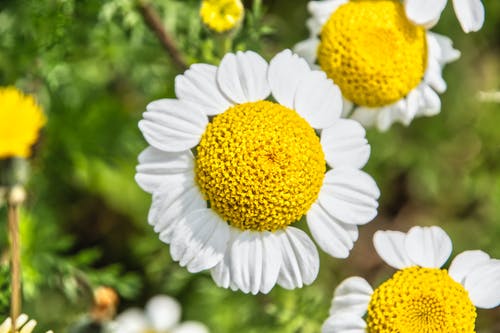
(94, 65)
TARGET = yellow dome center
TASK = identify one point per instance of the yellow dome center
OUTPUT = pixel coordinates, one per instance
(260, 165)
(221, 15)
(20, 122)
(373, 52)
(421, 300)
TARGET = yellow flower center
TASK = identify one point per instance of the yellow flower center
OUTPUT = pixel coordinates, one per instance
(421, 300)
(20, 121)
(373, 52)
(260, 165)
(221, 15)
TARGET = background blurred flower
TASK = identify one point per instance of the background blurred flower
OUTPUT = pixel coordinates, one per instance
(162, 315)
(23, 325)
(105, 303)
(221, 15)
(20, 122)
(420, 297)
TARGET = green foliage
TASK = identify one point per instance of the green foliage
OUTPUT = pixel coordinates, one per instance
(4, 290)
(94, 65)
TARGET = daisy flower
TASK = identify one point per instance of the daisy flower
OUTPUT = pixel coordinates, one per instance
(388, 67)
(258, 167)
(161, 315)
(221, 15)
(420, 296)
(23, 325)
(20, 121)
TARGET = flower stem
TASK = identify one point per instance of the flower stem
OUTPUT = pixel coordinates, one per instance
(153, 21)
(13, 204)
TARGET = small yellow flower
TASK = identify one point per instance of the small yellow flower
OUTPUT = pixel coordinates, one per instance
(20, 121)
(221, 15)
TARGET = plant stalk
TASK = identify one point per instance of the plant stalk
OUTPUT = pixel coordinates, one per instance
(15, 252)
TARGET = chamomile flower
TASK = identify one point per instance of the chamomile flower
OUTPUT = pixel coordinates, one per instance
(387, 66)
(420, 296)
(221, 15)
(20, 122)
(23, 325)
(258, 167)
(161, 315)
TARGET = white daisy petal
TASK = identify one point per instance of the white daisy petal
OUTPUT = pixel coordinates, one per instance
(307, 49)
(434, 76)
(466, 262)
(6, 325)
(428, 246)
(199, 240)
(344, 323)
(365, 116)
(221, 273)
(21, 320)
(318, 100)
(431, 103)
(156, 166)
(390, 246)
(321, 10)
(413, 100)
(483, 284)
(470, 14)
(352, 296)
(190, 327)
(131, 321)
(163, 312)
(173, 125)
(349, 195)
(441, 48)
(424, 12)
(286, 70)
(332, 236)
(255, 261)
(344, 144)
(314, 26)
(347, 108)
(199, 85)
(396, 112)
(242, 77)
(300, 259)
(28, 327)
(172, 201)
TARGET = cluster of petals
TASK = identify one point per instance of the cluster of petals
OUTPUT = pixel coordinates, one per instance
(161, 314)
(23, 325)
(470, 13)
(199, 238)
(428, 247)
(423, 100)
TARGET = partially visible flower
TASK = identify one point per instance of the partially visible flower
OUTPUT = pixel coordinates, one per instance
(388, 68)
(221, 15)
(23, 325)
(420, 297)
(260, 166)
(470, 13)
(161, 315)
(105, 303)
(20, 122)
